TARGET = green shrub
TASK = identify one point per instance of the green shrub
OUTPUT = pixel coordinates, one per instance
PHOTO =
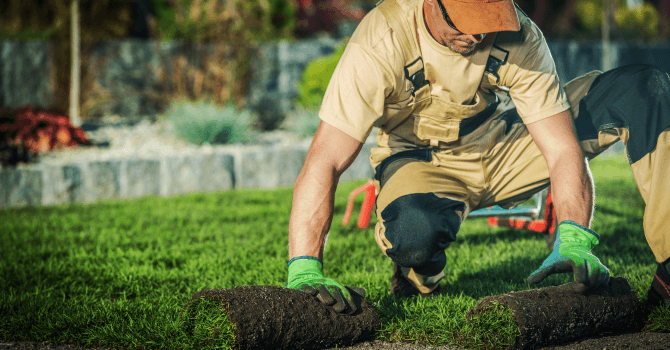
(316, 77)
(205, 122)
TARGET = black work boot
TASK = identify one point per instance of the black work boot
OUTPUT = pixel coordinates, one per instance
(401, 286)
(659, 293)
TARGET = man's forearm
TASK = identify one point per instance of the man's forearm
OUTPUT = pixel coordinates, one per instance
(571, 181)
(572, 188)
(311, 212)
(330, 154)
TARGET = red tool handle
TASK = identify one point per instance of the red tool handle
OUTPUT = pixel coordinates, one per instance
(368, 204)
(366, 209)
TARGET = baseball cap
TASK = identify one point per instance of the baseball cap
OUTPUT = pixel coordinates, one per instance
(482, 16)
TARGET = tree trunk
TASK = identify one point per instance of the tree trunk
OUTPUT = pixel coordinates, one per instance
(76, 66)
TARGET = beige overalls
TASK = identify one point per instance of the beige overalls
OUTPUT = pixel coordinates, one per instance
(427, 149)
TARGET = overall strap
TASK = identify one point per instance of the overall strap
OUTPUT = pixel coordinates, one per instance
(398, 22)
(402, 28)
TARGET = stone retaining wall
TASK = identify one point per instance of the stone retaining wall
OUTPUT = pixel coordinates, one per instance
(211, 169)
(218, 168)
(131, 71)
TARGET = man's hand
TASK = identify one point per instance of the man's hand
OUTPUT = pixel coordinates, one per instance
(304, 273)
(572, 252)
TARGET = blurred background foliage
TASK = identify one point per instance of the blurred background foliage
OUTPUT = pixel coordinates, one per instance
(316, 77)
(237, 27)
(262, 20)
(633, 20)
(637, 23)
(228, 21)
(51, 20)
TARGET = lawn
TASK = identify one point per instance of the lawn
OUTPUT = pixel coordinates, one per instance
(117, 273)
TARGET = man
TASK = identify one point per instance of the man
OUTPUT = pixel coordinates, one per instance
(471, 114)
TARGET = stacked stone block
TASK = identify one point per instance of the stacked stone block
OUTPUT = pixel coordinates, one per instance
(223, 168)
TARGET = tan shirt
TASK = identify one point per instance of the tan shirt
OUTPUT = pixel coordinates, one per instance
(368, 87)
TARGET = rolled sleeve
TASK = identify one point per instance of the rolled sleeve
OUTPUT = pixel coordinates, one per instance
(534, 85)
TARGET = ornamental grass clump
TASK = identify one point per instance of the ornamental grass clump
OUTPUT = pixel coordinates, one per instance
(203, 122)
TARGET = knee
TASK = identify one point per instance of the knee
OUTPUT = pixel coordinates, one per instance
(649, 77)
(657, 81)
(419, 226)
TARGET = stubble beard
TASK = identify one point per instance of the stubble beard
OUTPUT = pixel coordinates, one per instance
(451, 45)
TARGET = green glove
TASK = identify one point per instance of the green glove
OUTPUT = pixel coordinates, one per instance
(572, 252)
(304, 273)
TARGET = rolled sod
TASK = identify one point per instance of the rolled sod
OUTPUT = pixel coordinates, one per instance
(267, 317)
(555, 315)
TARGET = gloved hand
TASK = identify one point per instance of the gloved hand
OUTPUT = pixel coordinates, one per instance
(572, 252)
(304, 273)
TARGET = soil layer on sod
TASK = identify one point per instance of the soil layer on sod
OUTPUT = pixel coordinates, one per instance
(555, 315)
(641, 341)
(267, 317)
(637, 341)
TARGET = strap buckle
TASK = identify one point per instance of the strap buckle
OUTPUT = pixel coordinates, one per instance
(418, 77)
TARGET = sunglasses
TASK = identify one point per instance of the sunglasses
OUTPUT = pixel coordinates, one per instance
(446, 16)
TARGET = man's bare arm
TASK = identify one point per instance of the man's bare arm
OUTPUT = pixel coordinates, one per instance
(572, 192)
(571, 180)
(330, 154)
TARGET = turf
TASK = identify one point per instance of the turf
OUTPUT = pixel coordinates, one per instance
(117, 273)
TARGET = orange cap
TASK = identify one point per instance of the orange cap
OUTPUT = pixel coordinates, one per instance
(482, 16)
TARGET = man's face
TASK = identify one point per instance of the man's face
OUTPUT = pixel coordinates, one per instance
(444, 34)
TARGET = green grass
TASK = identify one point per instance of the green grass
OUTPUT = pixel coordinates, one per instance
(118, 273)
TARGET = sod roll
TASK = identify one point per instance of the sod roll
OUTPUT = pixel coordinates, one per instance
(267, 317)
(555, 315)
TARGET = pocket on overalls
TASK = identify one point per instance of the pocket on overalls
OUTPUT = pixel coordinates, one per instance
(435, 130)
(440, 122)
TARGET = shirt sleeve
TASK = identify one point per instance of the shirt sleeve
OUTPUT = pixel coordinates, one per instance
(533, 82)
(355, 95)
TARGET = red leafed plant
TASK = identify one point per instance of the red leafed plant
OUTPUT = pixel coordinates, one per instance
(39, 130)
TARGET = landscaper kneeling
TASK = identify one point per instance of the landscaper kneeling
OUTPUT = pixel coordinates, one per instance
(471, 114)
